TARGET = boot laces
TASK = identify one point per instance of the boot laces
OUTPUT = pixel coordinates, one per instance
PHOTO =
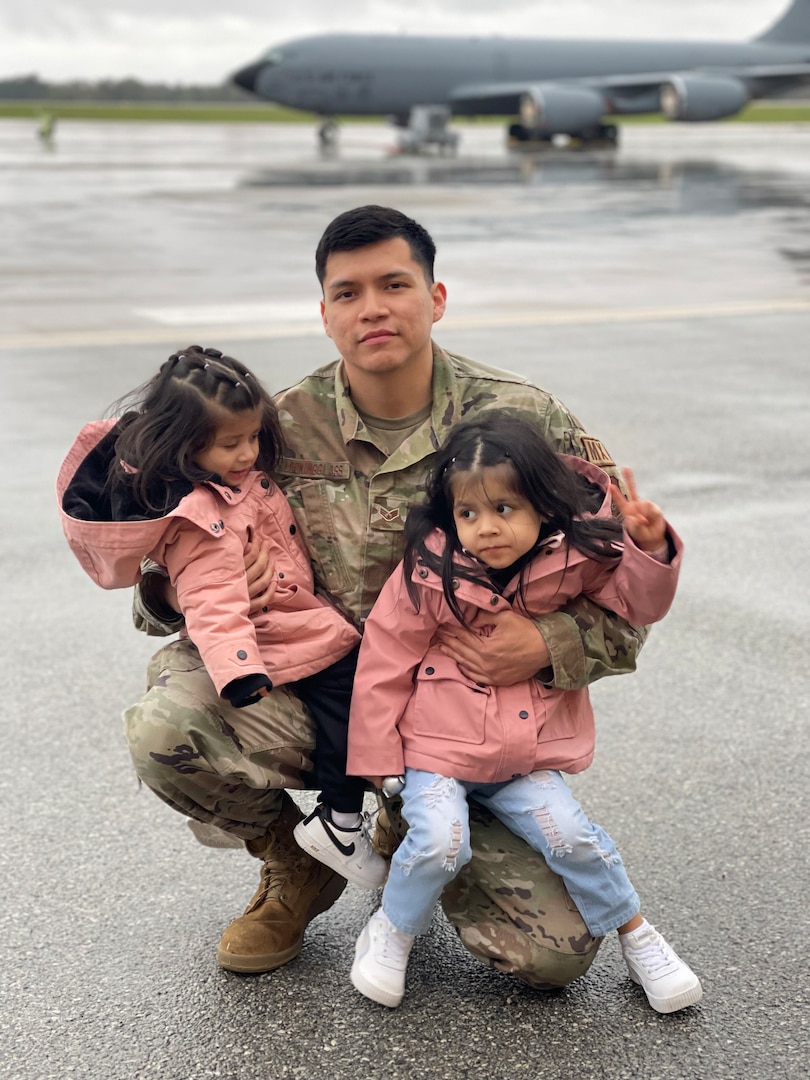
(272, 883)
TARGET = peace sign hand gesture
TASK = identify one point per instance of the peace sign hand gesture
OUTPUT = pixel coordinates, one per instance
(643, 520)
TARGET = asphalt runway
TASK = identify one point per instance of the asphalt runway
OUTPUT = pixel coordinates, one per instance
(664, 294)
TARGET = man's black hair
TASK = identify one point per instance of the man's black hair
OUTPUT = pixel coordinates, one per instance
(370, 225)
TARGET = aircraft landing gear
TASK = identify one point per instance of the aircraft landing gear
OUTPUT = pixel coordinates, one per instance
(426, 128)
(328, 134)
(602, 136)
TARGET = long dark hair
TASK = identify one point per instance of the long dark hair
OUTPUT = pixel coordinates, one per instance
(536, 472)
(173, 417)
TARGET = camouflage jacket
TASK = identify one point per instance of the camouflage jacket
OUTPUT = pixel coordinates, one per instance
(350, 500)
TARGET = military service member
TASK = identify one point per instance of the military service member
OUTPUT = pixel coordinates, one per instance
(360, 434)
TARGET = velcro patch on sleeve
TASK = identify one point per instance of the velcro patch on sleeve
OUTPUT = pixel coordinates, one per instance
(595, 451)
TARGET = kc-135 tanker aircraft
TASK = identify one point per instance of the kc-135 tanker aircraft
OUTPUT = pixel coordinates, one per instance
(550, 86)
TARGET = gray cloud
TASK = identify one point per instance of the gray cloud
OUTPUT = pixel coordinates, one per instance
(203, 40)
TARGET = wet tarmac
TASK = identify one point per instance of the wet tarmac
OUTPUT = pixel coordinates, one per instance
(663, 292)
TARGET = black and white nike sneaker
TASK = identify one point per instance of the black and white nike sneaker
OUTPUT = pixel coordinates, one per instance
(347, 851)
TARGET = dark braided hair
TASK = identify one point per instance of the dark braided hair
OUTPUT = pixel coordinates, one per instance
(536, 472)
(175, 415)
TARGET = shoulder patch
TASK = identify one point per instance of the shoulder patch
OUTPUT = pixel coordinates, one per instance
(595, 451)
(334, 470)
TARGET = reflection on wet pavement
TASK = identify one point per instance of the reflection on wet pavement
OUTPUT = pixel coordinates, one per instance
(127, 228)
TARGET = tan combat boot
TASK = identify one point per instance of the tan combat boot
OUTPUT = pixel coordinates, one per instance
(294, 888)
(391, 826)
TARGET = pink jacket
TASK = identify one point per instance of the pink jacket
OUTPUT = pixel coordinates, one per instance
(411, 706)
(201, 543)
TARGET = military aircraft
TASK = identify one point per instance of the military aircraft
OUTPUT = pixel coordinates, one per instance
(550, 86)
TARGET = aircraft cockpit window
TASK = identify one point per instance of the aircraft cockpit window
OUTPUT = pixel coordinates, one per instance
(273, 56)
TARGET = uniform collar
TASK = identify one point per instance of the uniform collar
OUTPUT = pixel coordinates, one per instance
(445, 408)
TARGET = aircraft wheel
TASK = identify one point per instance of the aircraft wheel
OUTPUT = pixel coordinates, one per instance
(328, 133)
(518, 133)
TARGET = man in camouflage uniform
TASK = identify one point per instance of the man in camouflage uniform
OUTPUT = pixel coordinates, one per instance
(360, 434)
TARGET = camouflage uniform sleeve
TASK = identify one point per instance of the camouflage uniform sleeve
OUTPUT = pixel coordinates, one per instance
(584, 641)
(149, 611)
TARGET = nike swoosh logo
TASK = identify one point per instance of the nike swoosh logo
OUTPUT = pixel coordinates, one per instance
(346, 849)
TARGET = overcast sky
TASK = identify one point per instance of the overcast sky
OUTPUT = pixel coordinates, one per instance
(202, 41)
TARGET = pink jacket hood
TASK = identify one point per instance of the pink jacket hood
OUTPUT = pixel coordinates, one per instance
(201, 542)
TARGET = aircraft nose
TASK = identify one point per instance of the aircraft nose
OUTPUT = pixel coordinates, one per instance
(246, 77)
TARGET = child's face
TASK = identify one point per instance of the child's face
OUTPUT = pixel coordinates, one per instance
(494, 523)
(232, 452)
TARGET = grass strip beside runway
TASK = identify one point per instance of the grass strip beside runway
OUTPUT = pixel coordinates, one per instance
(758, 112)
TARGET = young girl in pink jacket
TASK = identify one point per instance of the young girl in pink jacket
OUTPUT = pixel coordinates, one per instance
(185, 478)
(506, 522)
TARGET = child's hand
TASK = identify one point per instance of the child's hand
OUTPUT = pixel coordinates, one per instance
(643, 520)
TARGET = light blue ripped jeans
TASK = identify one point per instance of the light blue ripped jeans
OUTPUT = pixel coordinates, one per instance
(541, 809)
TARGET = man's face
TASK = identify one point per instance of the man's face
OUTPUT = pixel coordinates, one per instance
(378, 308)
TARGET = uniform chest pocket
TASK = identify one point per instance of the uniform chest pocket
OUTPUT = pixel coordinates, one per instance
(322, 537)
(446, 705)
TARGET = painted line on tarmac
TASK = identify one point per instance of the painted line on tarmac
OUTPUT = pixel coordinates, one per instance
(164, 335)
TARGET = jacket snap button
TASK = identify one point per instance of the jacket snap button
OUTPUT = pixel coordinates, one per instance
(221, 523)
(241, 655)
(292, 530)
(495, 600)
(227, 494)
(265, 608)
(281, 574)
(523, 714)
(429, 670)
(265, 483)
(454, 583)
(238, 491)
(423, 573)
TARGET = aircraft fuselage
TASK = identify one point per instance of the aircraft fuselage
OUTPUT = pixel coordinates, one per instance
(368, 74)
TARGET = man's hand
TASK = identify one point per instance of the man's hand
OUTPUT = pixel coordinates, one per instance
(261, 577)
(511, 653)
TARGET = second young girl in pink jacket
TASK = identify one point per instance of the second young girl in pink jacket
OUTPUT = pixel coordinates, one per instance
(185, 478)
(507, 522)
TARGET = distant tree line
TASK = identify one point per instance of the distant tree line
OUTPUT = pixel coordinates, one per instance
(32, 88)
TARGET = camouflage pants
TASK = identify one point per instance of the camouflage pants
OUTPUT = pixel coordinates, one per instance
(227, 767)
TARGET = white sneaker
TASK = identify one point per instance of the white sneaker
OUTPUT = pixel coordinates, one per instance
(348, 851)
(380, 960)
(668, 982)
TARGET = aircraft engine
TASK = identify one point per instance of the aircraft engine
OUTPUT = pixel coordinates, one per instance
(702, 97)
(561, 109)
